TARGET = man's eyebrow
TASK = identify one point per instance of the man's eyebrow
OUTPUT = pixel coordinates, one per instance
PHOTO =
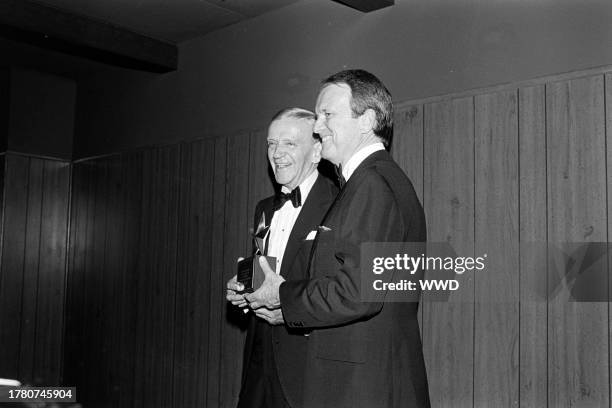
(281, 139)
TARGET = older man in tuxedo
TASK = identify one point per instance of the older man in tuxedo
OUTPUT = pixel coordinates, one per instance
(275, 355)
(360, 354)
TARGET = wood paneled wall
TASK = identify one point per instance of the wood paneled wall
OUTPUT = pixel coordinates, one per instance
(35, 209)
(500, 168)
(155, 234)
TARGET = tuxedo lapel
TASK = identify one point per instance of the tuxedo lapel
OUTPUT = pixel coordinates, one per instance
(378, 156)
(312, 212)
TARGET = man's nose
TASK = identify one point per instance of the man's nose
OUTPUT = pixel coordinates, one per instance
(277, 152)
(319, 124)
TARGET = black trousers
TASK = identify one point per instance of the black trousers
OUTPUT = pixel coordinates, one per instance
(262, 388)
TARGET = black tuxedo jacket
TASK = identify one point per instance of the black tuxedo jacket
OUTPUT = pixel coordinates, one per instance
(289, 344)
(360, 354)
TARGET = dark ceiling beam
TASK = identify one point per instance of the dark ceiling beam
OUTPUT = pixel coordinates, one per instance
(367, 5)
(50, 28)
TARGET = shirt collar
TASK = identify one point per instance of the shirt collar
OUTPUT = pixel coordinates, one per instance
(305, 186)
(359, 157)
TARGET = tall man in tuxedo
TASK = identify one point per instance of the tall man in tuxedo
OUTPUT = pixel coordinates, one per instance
(359, 354)
(274, 355)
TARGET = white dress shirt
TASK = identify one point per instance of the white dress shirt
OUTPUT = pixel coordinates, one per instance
(359, 157)
(284, 219)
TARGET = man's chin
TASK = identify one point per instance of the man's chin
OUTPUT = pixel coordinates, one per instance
(283, 181)
(332, 159)
(328, 154)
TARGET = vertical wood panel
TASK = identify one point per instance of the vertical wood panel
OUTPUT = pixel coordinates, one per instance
(75, 299)
(52, 273)
(144, 269)
(33, 269)
(217, 284)
(184, 356)
(159, 290)
(449, 201)
(131, 179)
(31, 262)
(407, 145)
(11, 278)
(95, 305)
(99, 276)
(532, 234)
(167, 284)
(112, 295)
(496, 331)
(578, 350)
(193, 275)
(102, 294)
(236, 227)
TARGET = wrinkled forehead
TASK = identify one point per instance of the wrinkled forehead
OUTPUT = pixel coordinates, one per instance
(292, 129)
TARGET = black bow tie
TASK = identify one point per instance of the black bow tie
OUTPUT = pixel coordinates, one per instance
(341, 179)
(295, 196)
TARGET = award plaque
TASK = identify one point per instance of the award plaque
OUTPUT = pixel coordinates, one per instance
(249, 272)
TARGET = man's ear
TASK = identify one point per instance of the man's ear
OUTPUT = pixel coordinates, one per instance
(367, 121)
(316, 152)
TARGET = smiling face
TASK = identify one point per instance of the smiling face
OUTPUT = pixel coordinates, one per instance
(341, 133)
(293, 152)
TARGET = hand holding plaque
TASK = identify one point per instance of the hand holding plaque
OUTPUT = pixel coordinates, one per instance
(250, 273)
(268, 294)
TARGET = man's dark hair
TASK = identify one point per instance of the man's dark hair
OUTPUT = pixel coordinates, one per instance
(368, 92)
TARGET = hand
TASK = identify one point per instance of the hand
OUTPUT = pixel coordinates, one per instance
(232, 288)
(273, 317)
(267, 294)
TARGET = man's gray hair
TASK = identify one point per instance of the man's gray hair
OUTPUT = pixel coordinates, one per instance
(294, 113)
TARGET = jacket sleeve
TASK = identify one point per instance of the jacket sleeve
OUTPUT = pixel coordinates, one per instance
(368, 213)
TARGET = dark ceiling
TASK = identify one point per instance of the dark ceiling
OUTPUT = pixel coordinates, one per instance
(173, 21)
(137, 34)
